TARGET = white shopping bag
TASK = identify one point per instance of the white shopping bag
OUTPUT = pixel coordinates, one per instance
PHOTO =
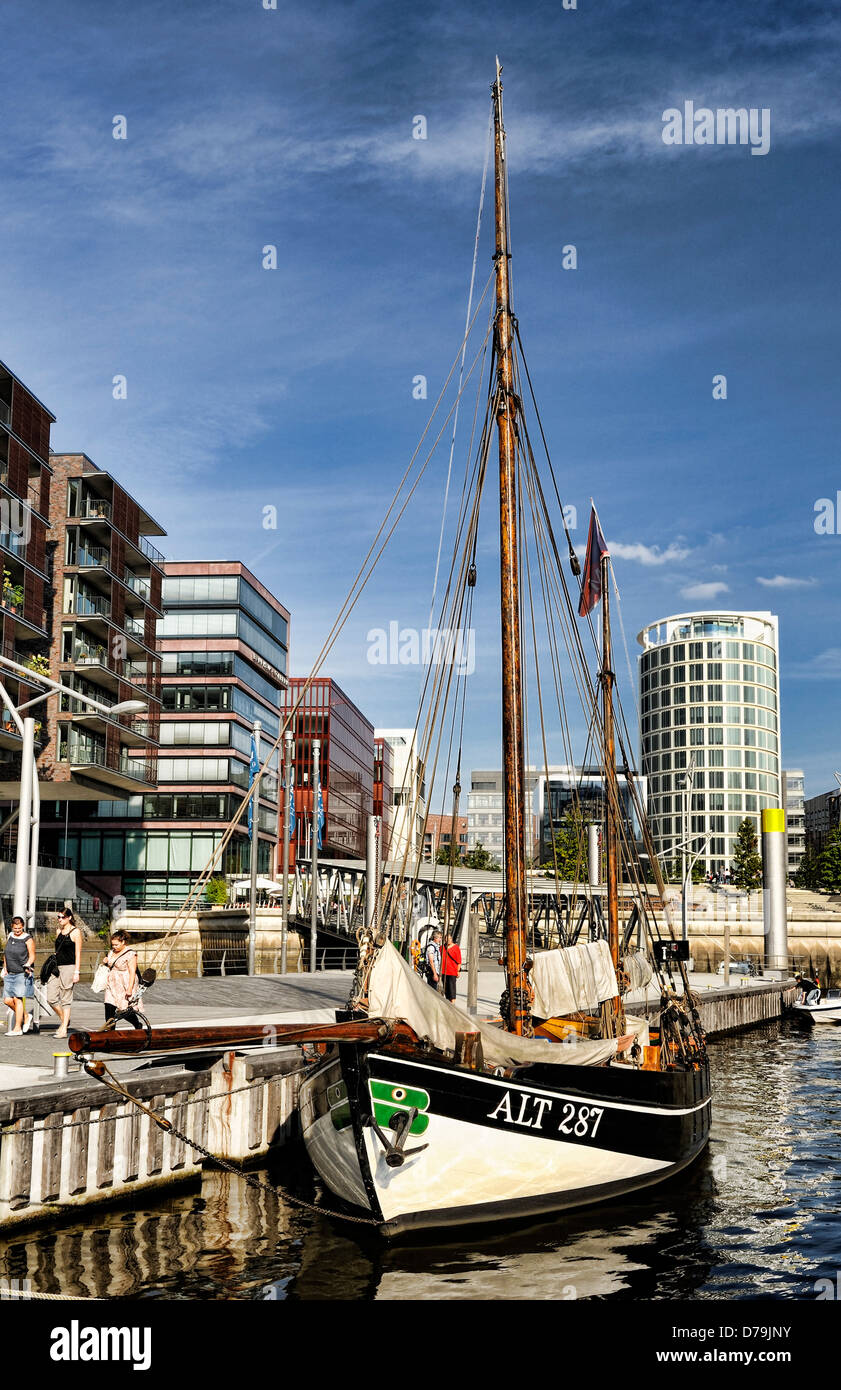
(41, 996)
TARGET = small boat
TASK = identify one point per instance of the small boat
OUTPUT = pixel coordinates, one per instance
(826, 1010)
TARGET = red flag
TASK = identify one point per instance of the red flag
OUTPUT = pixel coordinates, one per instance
(591, 582)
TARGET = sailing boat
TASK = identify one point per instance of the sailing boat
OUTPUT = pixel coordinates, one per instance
(465, 1122)
(423, 1116)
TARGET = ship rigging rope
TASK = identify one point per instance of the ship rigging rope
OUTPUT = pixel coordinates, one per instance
(461, 365)
(366, 569)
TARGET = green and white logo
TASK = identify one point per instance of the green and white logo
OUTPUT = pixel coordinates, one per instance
(389, 1100)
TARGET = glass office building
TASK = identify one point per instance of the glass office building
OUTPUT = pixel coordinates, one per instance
(346, 767)
(223, 642)
(709, 708)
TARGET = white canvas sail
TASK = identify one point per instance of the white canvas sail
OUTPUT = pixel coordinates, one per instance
(397, 992)
(572, 979)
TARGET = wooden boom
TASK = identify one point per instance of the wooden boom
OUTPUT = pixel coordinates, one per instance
(127, 1042)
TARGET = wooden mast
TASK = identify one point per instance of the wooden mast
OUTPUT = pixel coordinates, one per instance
(611, 838)
(519, 1011)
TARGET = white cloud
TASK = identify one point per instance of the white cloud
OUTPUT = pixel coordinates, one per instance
(825, 666)
(705, 590)
(785, 581)
(648, 554)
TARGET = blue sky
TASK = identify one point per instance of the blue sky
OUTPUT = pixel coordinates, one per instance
(292, 388)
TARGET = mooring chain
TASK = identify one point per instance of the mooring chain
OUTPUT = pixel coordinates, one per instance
(98, 1070)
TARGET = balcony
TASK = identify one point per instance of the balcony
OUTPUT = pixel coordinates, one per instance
(150, 551)
(114, 770)
(88, 605)
(137, 584)
(92, 509)
(11, 598)
(93, 557)
(135, 627)
(5, 413)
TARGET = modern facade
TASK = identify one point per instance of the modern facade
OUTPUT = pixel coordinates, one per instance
(822, 815)
(410, 806)
(346, 767)
(562, 790)
(105, 607)
(440, 835)
(25, 606)
(384, 791)
(485, 810)
(794, 807)
(223, 642)
(709, 708)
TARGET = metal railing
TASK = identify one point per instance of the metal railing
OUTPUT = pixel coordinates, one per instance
(138, 769)
(93, 557)
(150, 551)
(137, 584)
(92, 507)
(88, 606)
(90, 656)
(135, 627)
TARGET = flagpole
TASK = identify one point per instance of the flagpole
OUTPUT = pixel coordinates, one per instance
(316, 748)
(287, 829)
(254, 832)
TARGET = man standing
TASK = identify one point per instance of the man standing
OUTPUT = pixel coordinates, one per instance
(450, 967)
(432, 960)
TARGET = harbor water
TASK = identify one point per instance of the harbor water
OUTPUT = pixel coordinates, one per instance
(758, 1216)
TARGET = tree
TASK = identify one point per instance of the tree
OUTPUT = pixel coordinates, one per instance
(829, 864)
(481, 858)
(448, 854)
(569, 860)
(807, 875)
(746, 868)
(216, 891)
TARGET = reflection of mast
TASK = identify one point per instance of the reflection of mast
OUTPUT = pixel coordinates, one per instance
(519, 1013)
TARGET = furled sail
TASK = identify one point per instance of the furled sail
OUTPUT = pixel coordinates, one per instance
(573, 979)
(395, 991)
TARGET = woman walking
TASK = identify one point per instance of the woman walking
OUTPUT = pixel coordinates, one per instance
(68, 959)
(122, 978)
(18, 977)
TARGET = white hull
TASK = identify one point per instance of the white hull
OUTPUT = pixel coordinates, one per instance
(827, 1011)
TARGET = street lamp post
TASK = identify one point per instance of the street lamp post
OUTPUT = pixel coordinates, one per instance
(26, 862)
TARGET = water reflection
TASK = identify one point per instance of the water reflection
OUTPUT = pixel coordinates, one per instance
(757, 1216)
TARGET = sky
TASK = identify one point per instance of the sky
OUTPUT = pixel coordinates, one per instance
(250, 388)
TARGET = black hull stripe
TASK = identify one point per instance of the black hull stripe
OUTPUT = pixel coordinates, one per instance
(556, 1094)
(491, 1104)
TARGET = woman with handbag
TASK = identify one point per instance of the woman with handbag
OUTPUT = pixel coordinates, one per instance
(18, 974)
(122, 979)
(68, 959)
